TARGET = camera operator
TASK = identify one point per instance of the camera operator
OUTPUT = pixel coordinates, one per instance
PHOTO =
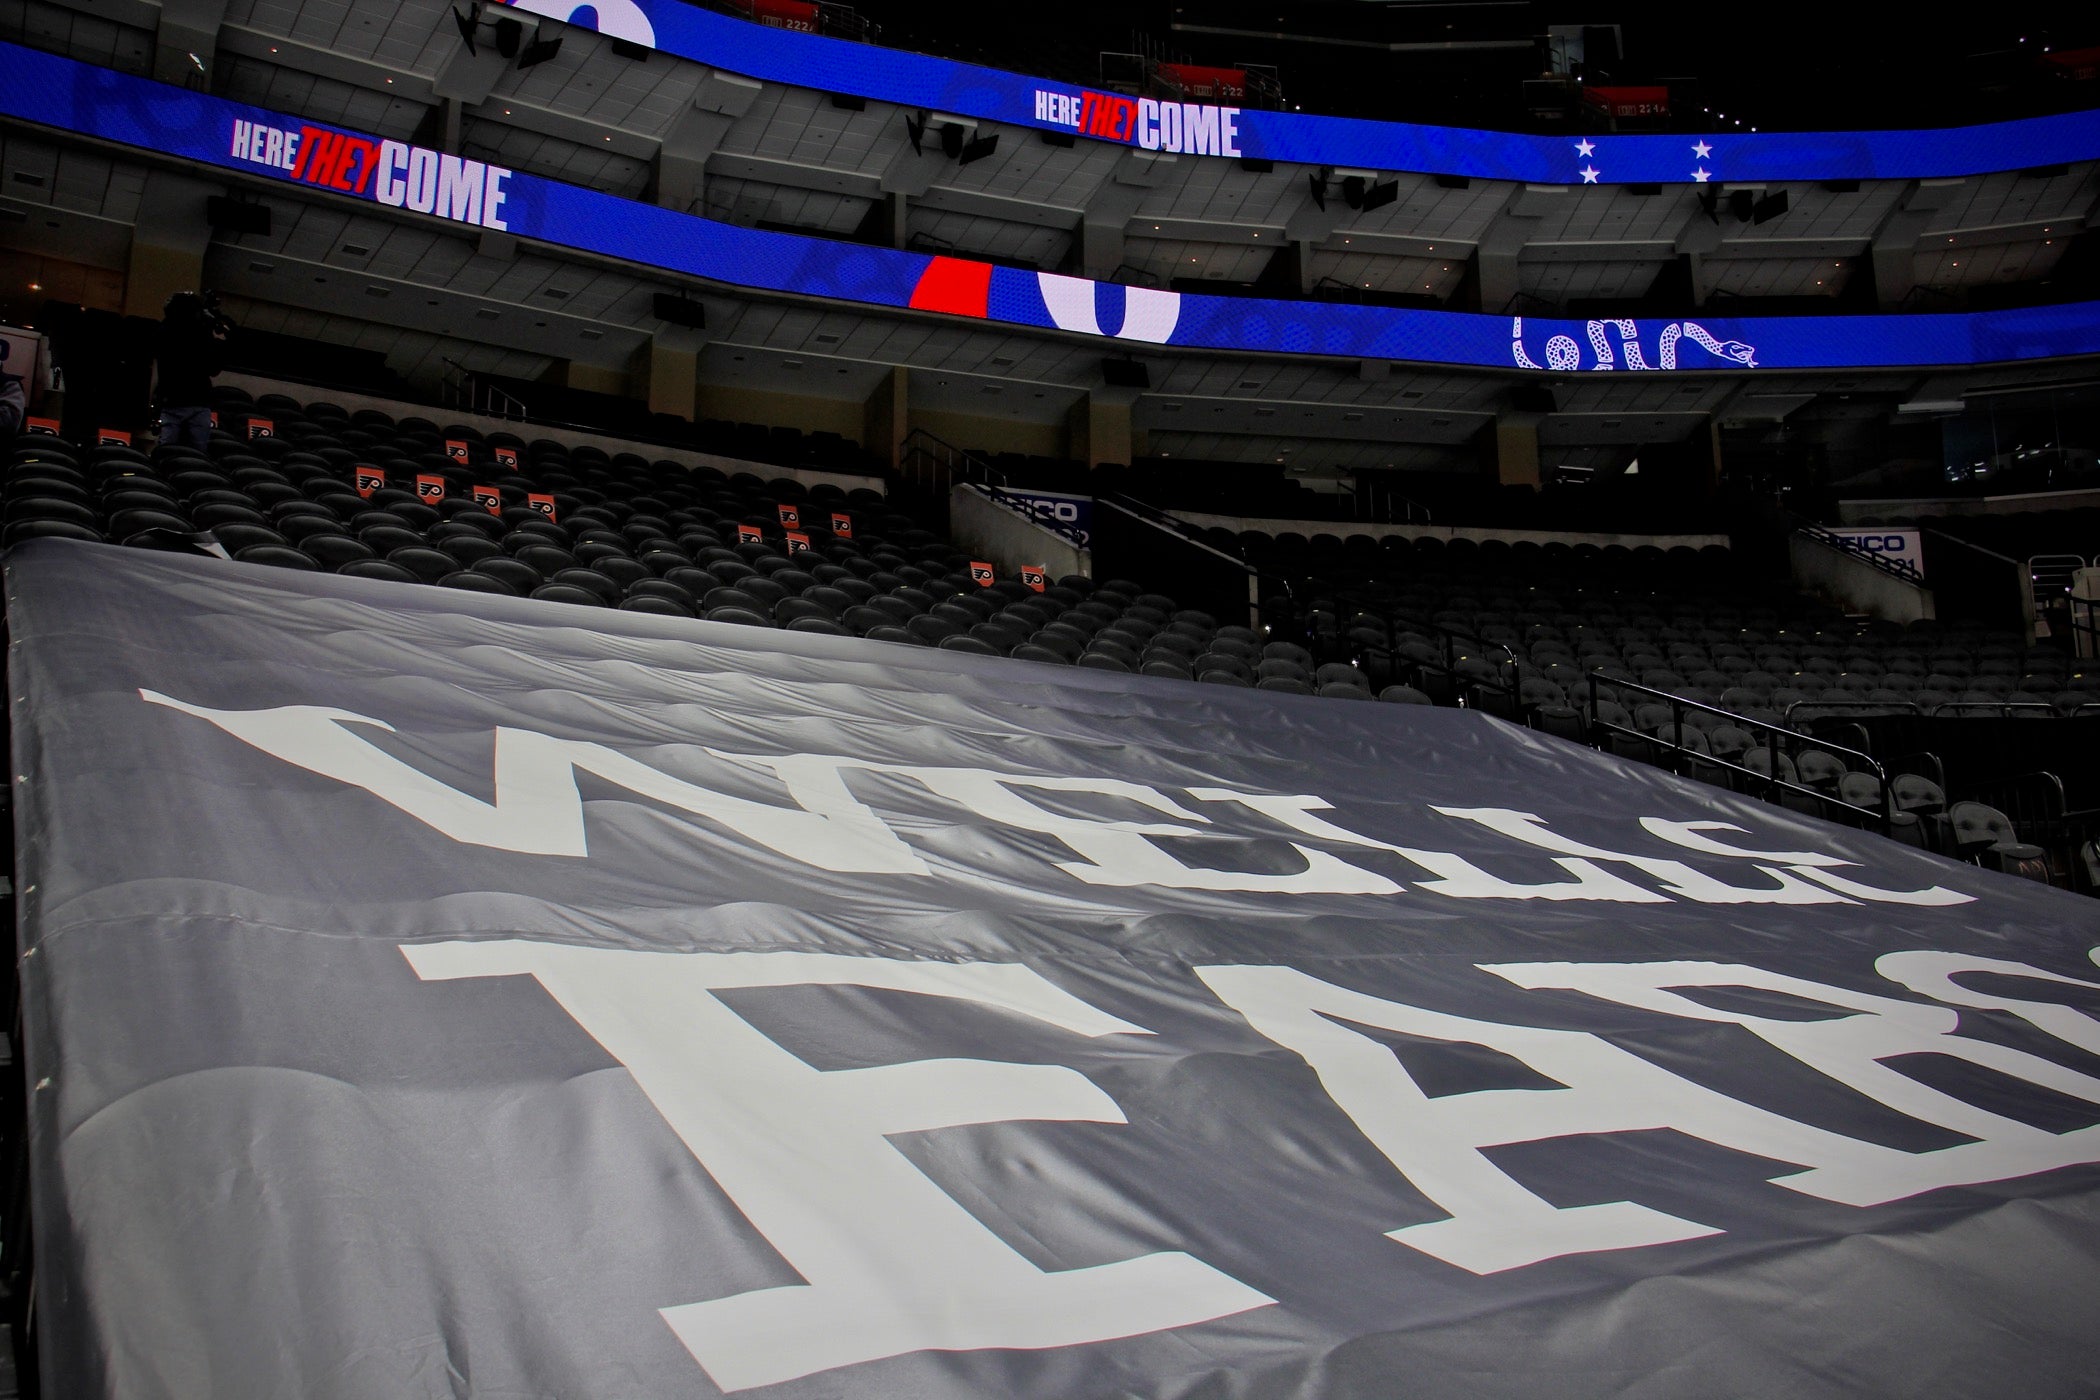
(188, 352)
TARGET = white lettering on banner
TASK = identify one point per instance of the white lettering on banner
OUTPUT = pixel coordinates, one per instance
(459, 189)
(1435, 1143)
(1188, 128)
(1932, 974)
(1850, 1048)
(422, 179)
(1457, 878)
(538, 811)
(1200, 125)
(1789, 871)
(431, 182)
(1170, 126)
(890, 1262)
(388, 187)
(1116, 852)
(1496, 1223)
(493, 198)
(1062, 108)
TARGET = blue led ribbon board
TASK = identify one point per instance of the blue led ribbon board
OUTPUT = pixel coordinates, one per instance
(942, 85)
(46, 90)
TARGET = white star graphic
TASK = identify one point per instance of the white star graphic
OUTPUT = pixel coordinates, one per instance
(1583, 149)
(1701, 149)
(1699, 175)
(1589, 174)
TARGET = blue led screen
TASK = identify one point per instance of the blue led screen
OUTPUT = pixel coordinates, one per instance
(97, 102)
(962, 89)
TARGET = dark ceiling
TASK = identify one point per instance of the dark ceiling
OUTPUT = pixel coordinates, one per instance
(1775, 64)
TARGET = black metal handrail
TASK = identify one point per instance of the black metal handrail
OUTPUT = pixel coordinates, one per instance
(1446, 639)
(2003, 709)
(1849, 705)
(1770, 783)
(2085, 626)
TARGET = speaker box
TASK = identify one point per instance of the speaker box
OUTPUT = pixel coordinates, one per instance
(1126, 374)
(233, 216)
(678, 311)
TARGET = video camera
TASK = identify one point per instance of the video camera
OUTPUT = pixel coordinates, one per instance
(212, 315)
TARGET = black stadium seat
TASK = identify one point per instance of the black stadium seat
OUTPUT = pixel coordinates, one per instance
(470, 581)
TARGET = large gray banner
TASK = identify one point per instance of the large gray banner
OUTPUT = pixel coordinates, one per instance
(438, 995)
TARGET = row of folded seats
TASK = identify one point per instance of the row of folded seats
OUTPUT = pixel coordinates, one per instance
(1485, 619)
(1825, 675)
(624, 532)
(1817, 782)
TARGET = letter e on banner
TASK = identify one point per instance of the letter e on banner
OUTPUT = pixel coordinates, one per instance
(430, 488)
(790, 516)
(489, 499)
(750, 534)
(370, 479)
(507, 457)
(842, 525)
(797, 541)
(112, 437)
(542, 502)
(1034, 575)
(981, 573)
(456, 449)
(261, 428)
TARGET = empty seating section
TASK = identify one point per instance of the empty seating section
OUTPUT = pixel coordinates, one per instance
(1523, 626)
(624, 532)
(1674, 657)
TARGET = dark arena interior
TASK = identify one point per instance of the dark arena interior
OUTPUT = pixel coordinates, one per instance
(1196, 700)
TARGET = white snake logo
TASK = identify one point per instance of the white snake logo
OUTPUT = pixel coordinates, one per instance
(1562, 353)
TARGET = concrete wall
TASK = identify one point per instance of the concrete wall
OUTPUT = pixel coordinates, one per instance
(595, 379)
(1345, 528)
(845, 417)
(1007, 539)
(1844, 578)
(1898, 511)
(568, 437)
(992, 435)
